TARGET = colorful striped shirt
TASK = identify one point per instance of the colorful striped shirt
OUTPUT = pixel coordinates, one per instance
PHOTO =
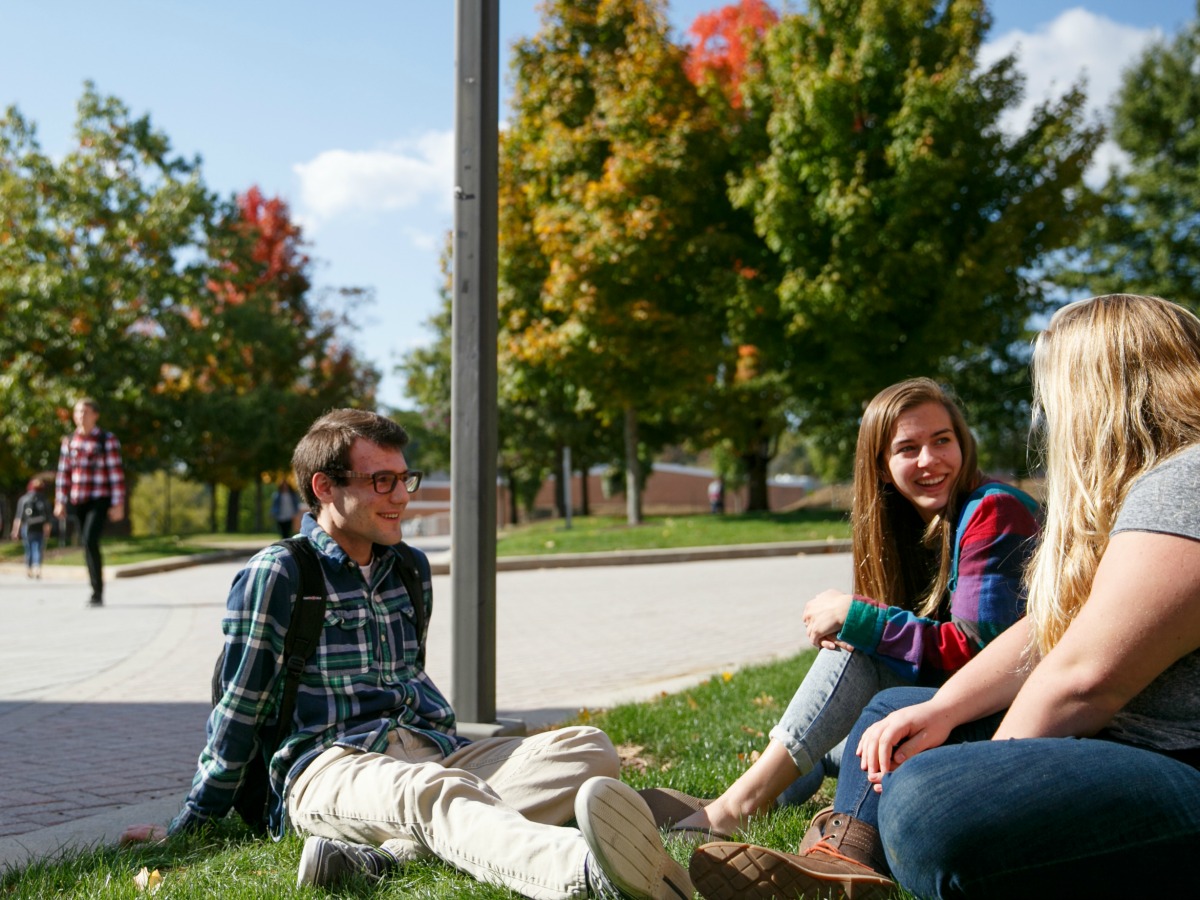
(364, 679)
(89, 467)
(993, 548)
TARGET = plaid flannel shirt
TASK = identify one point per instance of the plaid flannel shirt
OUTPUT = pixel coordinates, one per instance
(995, 546)
(89, 467)
(363, 680)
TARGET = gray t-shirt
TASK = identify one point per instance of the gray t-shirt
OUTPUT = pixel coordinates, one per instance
(1166, 715)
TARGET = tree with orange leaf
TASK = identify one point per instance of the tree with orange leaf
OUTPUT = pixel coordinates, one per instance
(724, 41)
(609, 223)
(96, 247)
(257, 359)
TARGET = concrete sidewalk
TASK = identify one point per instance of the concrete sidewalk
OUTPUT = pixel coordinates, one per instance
(102, 711)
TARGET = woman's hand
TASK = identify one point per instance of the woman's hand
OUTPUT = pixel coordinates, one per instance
(901, 736)
(824, 616)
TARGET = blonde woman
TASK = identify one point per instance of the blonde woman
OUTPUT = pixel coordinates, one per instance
(1089, 785)
(938, 556)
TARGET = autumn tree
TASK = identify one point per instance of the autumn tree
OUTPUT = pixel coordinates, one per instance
(534, 415)
(1147, 236)
(94, 248)
(725, 46)
(613, 155)
(255, 359)
(905, 222)
(745, 410)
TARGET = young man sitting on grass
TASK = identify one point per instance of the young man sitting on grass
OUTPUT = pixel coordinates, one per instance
(372, 769)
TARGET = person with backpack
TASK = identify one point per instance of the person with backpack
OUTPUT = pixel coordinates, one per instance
(369, 765)
(32, 525)
(91, 486)
(938, 552)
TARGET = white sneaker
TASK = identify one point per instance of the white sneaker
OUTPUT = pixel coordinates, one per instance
(627, 851)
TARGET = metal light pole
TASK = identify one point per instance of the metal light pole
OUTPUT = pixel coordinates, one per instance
(473, 430)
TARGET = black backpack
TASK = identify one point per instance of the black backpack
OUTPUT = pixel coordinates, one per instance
(33, 511)
(253, 795)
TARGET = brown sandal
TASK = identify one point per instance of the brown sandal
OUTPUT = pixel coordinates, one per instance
(668, 806)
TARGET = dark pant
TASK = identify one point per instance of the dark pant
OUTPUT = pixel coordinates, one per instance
(92, 515)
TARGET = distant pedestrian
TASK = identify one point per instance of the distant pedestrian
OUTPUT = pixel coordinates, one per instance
(32, 525)
(91, 484)
(716, 495)
(285, 507)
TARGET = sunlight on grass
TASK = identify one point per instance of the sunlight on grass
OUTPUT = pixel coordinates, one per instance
(591, 534)
(698, 740)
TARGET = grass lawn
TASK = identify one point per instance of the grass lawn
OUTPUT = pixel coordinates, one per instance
(697, 741)
(598, 533)
(587, 534)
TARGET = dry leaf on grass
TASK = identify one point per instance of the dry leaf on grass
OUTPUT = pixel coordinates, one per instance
(146, 880)
(632, 759)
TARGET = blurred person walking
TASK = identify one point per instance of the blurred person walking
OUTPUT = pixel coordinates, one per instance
(31, 525)
(91, 485)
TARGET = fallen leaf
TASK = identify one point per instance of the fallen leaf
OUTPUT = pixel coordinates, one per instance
(145, 880)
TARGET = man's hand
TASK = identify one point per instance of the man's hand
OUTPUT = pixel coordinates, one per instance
(139, 834)
(116, 512)
(824, 616)
(59, 510)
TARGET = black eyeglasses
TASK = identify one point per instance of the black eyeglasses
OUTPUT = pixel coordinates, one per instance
(385, 482)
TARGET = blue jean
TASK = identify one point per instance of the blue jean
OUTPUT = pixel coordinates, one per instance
(813, 728)
(34, 538)
(1046, 817)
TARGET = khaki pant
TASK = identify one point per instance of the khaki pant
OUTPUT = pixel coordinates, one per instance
(493, 809)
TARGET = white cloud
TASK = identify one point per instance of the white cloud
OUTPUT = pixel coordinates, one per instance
(1053, 58)
(409, 174)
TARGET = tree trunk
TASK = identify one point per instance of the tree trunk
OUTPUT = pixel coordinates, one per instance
(212, 507)
(259, 524)
(633, 470)
(560, 484)
(755, 465)
(233, 506)
(584, 502)
(514, 501)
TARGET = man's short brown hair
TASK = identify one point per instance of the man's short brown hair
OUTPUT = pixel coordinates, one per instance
(326, 445)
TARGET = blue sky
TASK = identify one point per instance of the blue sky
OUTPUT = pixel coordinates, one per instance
(347, 111)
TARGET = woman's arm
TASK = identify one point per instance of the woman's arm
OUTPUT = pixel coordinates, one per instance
(986, 685)
(986, 600)
(1142, 615)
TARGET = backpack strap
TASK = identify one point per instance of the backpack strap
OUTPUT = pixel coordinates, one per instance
(964, 517)
(414, 572)
(304, 629)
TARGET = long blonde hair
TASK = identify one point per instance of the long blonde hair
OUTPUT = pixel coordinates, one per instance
(890, 539)
(1116, 389)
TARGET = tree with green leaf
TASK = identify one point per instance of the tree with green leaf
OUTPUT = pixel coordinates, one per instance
(1146, 238)
(95, 248)
(254, 358)
(745, 410)
(906, 225)
(610, 161)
